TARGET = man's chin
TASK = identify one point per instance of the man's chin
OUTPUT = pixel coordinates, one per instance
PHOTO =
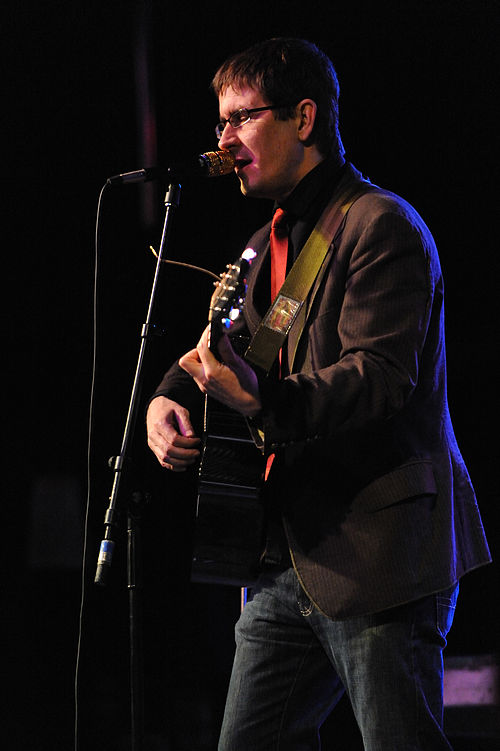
(248, 192)
(251, 191)
(244, 187)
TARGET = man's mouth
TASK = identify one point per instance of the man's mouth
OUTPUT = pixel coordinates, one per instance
(241, 164)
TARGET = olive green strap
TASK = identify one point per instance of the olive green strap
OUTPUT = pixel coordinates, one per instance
(276, 324)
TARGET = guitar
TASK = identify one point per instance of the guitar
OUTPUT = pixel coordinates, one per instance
(229, 528)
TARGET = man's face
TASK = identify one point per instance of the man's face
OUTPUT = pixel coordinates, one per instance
(269, 153)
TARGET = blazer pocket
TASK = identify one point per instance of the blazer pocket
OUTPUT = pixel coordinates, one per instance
(406, 482)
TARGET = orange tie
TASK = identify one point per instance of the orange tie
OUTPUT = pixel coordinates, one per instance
(279, 251)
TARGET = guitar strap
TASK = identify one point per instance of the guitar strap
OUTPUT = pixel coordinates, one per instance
(289, 302)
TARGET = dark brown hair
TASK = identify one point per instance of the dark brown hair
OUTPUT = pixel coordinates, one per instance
(287, 70)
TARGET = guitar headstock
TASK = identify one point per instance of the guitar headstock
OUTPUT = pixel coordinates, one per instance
(228, 299)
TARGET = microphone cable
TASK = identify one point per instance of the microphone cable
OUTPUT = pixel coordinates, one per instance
(89, 472)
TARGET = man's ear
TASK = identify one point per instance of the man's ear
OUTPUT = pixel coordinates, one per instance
(306, 112)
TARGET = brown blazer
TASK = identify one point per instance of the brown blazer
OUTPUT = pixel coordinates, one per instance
(377, 503)
(375, 498)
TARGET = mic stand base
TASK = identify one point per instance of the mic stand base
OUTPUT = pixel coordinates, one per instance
(134, 584)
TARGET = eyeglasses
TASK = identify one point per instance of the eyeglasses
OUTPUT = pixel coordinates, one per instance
(242, 116)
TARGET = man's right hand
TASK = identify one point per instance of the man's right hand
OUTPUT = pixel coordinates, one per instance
(171, 437)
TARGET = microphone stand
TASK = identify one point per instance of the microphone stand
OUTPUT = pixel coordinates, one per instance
(119, 464)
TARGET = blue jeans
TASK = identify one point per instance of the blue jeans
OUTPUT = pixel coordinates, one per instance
(292, 665)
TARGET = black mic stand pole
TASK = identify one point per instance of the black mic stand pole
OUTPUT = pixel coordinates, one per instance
(119, 464)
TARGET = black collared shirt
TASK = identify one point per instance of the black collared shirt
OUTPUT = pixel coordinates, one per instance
(304, 205)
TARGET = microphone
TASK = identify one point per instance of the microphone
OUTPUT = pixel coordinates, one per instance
(209, 164)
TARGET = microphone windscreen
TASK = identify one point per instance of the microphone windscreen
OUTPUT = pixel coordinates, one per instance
(217, 163)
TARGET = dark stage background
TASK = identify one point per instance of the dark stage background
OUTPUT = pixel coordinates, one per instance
(97, 88)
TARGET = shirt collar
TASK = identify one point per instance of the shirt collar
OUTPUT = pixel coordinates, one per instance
(309, 189)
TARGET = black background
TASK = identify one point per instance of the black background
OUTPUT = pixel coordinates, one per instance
(97, 88)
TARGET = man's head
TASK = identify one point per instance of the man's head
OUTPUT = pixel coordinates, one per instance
(285, 71)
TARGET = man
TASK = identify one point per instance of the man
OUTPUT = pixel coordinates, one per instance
(371, 508)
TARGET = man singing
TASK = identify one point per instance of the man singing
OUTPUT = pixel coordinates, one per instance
(372, 516)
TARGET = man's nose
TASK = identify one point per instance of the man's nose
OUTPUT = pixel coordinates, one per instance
(229, 137)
